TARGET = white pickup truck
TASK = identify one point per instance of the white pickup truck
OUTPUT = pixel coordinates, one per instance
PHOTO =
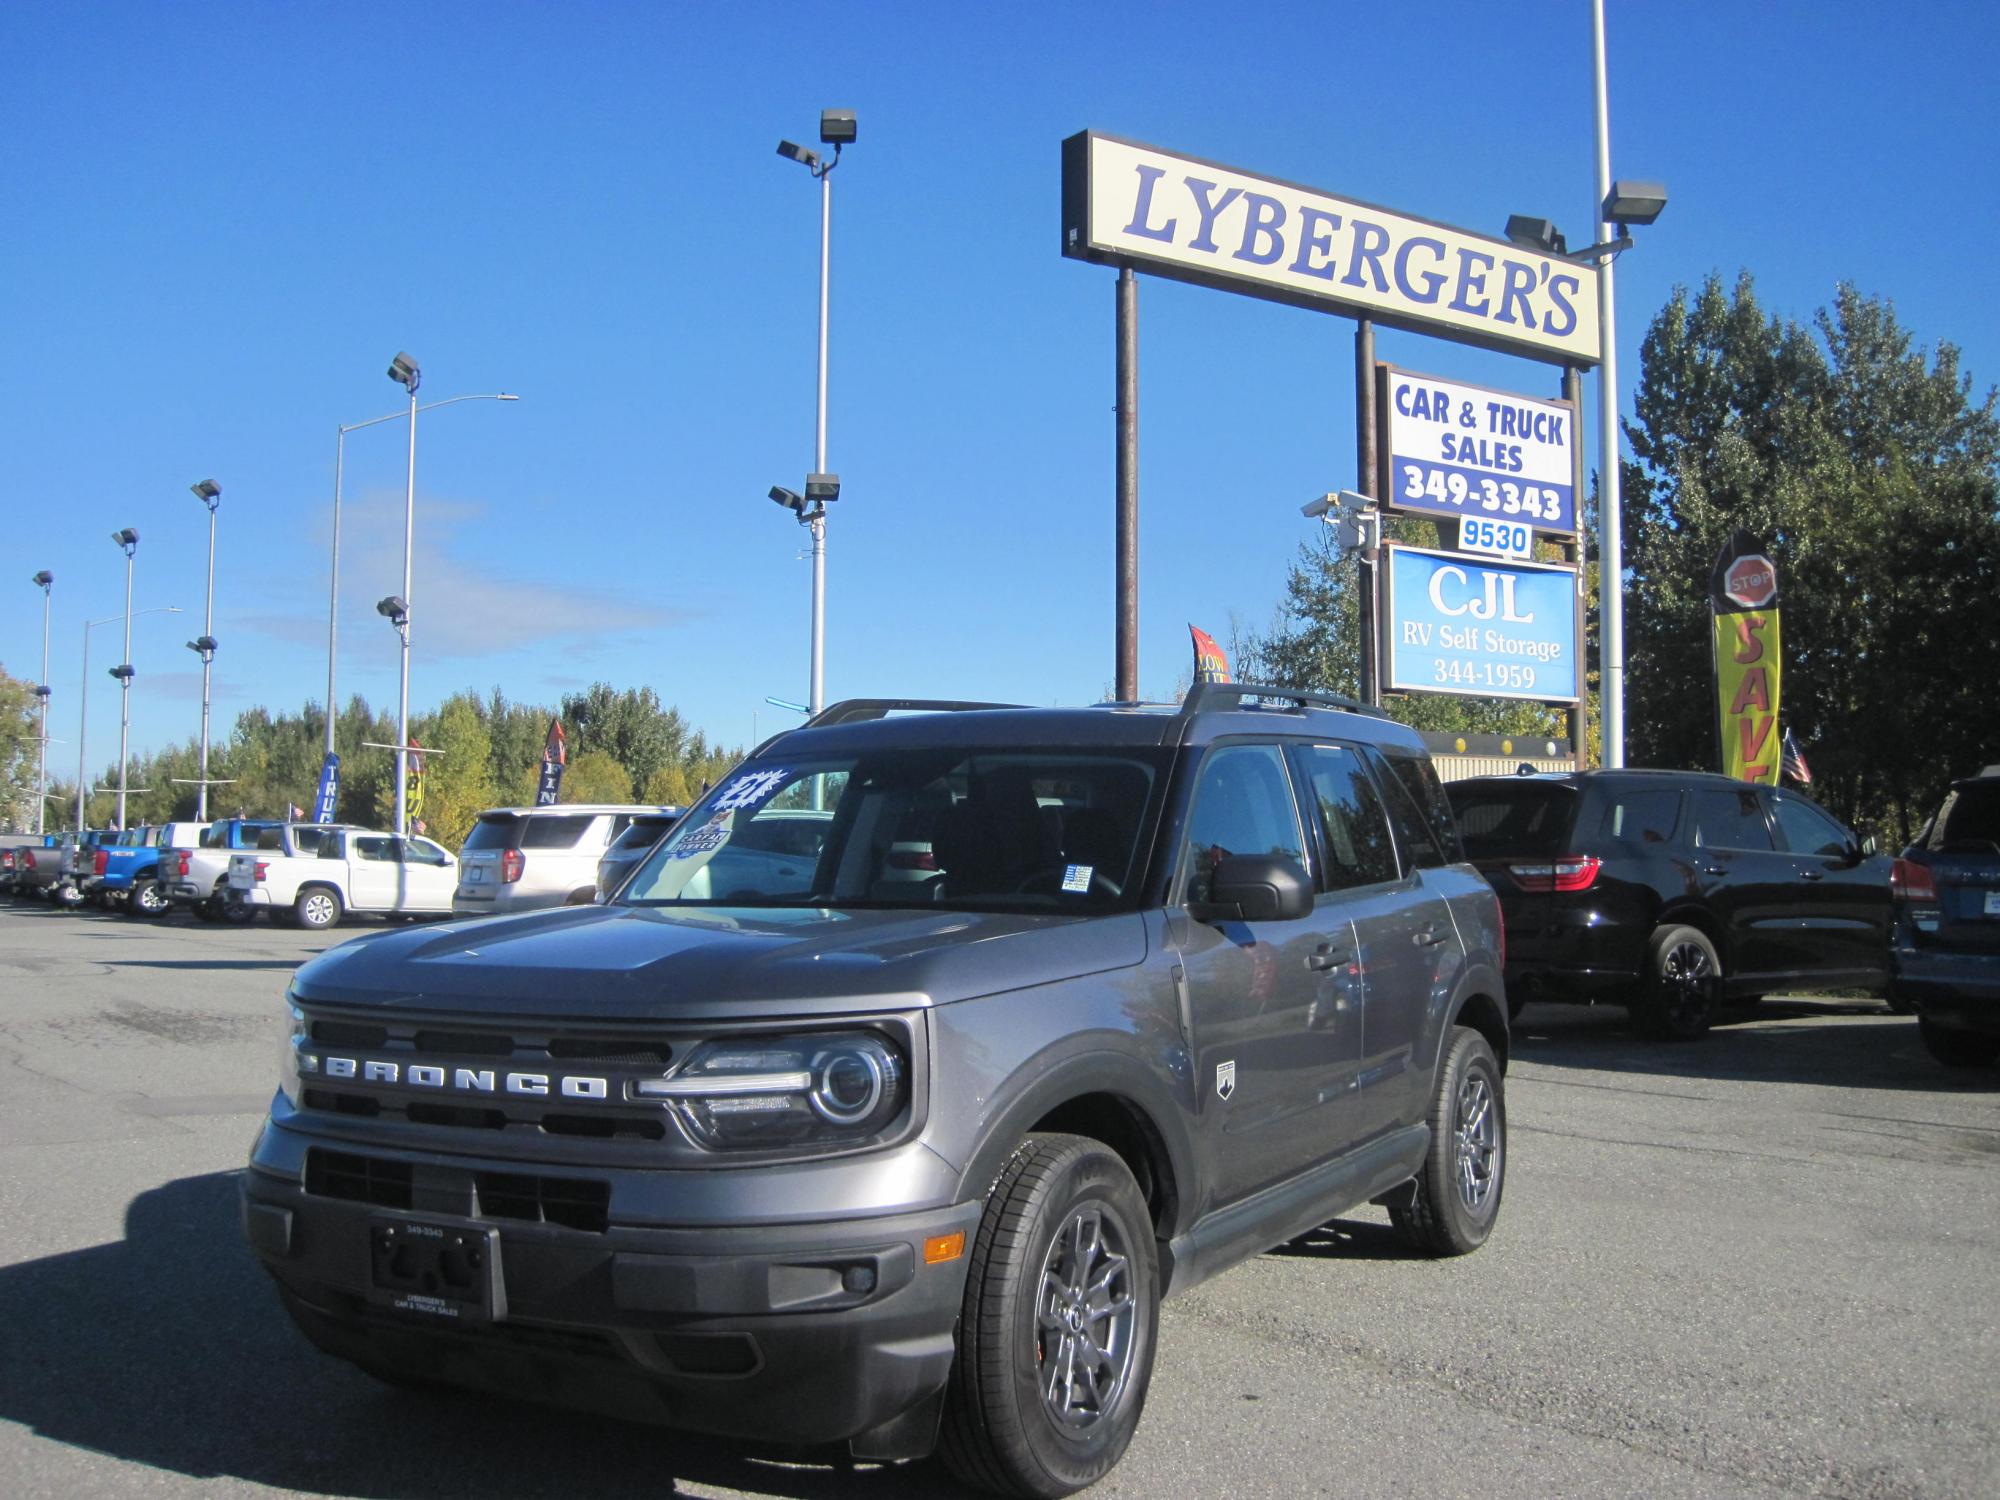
(317, 874)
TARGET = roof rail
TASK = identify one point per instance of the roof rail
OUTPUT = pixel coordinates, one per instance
(856, 710)
(1203, 698)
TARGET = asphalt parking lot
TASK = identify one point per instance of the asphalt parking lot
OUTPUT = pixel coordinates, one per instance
(1764, 1265)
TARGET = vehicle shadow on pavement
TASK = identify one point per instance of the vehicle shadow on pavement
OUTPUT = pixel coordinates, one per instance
(1842, 1043)
(1349, 1239)
(168, 1348)
(200, 963)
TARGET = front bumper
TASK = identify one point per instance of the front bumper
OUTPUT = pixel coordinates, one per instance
(794, 1333)
(1959, 990)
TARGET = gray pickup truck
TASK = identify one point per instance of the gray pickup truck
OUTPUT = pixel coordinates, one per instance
(899, 1140)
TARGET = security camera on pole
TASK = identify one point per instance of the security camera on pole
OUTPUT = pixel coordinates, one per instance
(1357, 527)
(836, 129)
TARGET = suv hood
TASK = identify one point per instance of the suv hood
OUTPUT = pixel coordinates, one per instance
(632, 963)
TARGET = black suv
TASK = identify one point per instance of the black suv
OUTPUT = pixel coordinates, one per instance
(898, 1139)
(1946, 952)
(1672, 891)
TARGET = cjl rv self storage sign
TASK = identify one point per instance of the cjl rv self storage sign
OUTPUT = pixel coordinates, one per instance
(1463, 450)
(1479, 627)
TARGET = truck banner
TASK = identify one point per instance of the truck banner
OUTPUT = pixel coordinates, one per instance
(1466, 451)
(1210, 664)
(1743, 608)
(555, 756)
(328, 796)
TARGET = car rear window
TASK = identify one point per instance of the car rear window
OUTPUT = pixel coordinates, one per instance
(642, 833)
(1969, 819)
(515, 831)
(1500, 820)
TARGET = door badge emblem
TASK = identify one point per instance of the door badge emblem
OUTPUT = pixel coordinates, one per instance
(1225, 1079)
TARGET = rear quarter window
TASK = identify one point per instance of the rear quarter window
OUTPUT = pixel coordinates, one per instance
(1640, 817)
(1969, 819)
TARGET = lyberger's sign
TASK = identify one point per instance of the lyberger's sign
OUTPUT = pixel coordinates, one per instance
(1743, 602)
(1179, 216)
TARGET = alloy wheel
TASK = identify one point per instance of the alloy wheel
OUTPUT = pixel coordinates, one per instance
(1085, 1321)
(1687, 984)
(1477, 1146)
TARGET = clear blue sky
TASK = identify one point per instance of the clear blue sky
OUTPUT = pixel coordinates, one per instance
(224, 219)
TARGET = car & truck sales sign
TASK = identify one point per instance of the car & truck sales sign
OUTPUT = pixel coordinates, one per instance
(1467, 452)
(1171, 215)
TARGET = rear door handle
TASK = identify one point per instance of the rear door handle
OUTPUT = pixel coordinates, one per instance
(1715, 869)
(1812, 874)
(1429, 937)
(1326, 956)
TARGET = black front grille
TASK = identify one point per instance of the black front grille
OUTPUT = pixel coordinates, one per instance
(469, 1043)
(610, 1049)
(358, 1179)
(574, 1203)
(349, 1034)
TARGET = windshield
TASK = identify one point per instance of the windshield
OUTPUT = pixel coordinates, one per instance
(1505, 820)
(1005, 829)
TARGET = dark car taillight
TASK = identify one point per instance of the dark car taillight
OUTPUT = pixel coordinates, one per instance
(1566, 872)
(1910, 881)
(512, 863)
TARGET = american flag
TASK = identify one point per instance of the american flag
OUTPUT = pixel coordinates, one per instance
(1793, 762)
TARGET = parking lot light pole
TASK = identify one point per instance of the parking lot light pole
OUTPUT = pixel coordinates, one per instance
(45, 581)
(128, 541)
(836, 129)
(210, 495)
(333, 584)
(83, 696)
(403, 370)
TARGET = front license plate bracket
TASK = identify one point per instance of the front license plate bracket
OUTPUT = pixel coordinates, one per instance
(446, 1273)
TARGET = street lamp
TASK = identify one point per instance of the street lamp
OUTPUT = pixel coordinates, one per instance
(333, 585)
(83, 695)
(209, 493)
(128, 541)
(403, 370)
(44, 581)
(836, 129)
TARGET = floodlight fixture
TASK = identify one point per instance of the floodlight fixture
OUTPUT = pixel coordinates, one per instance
(124, 673)
(795, 152)
(203, 646)
(43, 579)
(393, 608)
(207, 492)
(126, 538)
(403, 370)
(1632, 202)
(1531, 233)
(836, 128)
(42, 691)
(821, 488)
(790, 499)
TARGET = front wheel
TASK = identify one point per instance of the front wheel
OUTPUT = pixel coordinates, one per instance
(1955, 1048)
(317, 908)
(1457, 1194)
(1683, 976)
(1057, 1330)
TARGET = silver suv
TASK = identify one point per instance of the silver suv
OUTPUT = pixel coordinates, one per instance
(525, 858)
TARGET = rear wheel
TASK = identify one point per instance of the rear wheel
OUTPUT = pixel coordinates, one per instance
(317, 907)
(236, 913)
(1458, 1192)
(148, 899)
(1057, 1331)
(1681, 985)
(1899, 1003)
(1955, 1048)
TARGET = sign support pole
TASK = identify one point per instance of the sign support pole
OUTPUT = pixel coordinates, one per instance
(1127, 565)
(1365, 482)
(1579, 716)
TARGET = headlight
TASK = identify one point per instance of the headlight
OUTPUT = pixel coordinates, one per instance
(837, 1089)
(297, 1035)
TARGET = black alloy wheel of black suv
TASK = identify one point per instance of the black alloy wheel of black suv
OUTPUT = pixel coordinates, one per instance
(1673, 892)
(887, 1098)
(1946, 947)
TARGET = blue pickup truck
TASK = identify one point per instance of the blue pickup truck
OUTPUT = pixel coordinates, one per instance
(127, 871)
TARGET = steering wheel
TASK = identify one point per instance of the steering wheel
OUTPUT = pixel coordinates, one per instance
(1052, 878)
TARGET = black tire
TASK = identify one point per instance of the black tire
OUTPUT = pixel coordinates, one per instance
(235, 913)
(1458, 1192)
(208, 911)
(148, 900)
(316, 908)
(1955, 1048)
(1899, 1003)
(1063, 1210)
(1683, 975)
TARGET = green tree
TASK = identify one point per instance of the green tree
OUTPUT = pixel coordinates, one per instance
(1870, 472)
(20, 730)
(630, 726)
(459, 781)
(596, 776)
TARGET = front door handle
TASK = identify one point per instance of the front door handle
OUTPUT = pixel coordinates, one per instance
(1428, 937)
(1326, 956)
(1715, 869)
(1812, 874)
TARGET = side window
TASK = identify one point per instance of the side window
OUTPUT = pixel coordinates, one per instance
(1642, 817)
(1420, 779)
(1730, 819)
(379, 847)
(422, 852)
(1414, 834)
(1242, 805)
(1353, 826)
(1807, 830)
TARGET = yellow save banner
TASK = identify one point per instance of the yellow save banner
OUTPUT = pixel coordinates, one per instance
(1744, 619)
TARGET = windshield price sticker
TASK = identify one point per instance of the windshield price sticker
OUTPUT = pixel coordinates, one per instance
(1500, 538)
(1463, 450)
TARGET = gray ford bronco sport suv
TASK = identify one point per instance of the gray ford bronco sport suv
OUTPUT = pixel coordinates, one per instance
(894, 1130)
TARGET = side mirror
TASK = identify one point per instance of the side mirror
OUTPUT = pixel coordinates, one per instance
(1256, 888)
